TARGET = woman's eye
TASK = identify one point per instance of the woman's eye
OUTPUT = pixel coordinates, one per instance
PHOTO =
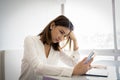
(61, 32)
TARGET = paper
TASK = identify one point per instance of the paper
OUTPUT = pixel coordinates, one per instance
(98, 72)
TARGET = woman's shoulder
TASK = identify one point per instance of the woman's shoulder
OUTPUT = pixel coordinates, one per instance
(30, 37)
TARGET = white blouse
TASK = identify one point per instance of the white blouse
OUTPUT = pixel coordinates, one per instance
(35, 63)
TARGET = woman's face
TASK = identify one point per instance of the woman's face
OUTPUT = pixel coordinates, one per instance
(59, 33)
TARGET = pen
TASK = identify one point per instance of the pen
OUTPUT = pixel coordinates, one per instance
(95, 75)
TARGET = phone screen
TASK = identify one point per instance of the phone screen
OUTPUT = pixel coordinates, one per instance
(89, 57)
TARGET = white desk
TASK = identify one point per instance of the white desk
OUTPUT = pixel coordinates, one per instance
(111, 76)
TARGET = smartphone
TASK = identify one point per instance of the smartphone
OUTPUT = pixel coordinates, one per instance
(89, 57)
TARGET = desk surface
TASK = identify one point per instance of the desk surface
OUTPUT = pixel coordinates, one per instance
(111, 76)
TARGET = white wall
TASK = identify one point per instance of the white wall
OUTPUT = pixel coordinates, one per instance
(19, 18)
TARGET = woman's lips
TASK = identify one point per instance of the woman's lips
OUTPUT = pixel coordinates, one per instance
(57, 40)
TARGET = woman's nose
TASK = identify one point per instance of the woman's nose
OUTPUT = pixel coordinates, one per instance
(61, 38)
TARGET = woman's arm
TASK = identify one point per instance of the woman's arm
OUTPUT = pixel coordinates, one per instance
(75, 53)
(68, 60)
(74, 39)
(72, 59)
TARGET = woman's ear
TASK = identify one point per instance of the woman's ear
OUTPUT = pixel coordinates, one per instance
(52, 25)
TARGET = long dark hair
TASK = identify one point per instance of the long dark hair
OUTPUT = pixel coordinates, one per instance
(46, 33)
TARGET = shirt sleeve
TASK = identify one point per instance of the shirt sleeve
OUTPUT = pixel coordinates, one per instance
(75, 55)
(39, 68)
(70, 60)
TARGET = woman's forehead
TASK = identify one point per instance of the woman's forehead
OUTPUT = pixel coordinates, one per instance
(65, 29)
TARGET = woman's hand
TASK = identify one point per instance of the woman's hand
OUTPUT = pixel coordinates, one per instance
(75, 43)
(72, 36)
(81, 68)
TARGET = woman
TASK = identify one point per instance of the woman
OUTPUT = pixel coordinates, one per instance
(42, 52)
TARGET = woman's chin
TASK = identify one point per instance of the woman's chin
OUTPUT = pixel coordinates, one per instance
(55, 41)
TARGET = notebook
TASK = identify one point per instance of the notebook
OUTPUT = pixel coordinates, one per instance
(98, 72)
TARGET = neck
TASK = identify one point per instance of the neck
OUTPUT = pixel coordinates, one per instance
(47, 49)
